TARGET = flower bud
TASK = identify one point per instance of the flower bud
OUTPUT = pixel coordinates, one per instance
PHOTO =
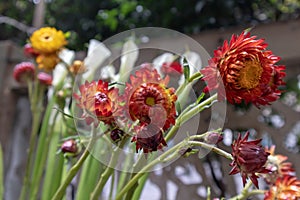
(77, 67)
(249, 158)
(44, 78)
(23, 71)
(116, 135)
(29, 51)
(213, 138)
(70, 147)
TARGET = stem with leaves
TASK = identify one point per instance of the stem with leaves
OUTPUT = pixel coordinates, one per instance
(73, 171)
(172, 153)
(36, 94)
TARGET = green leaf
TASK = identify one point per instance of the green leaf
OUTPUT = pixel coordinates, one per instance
(54, 169)
(91, 170)
(186, 69)
(128, 7)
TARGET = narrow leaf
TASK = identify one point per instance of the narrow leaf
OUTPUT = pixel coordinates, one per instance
(186, 69)
(130, 54)
(97, 54)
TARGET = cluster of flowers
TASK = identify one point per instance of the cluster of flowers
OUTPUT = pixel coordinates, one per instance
(242, 70)
(146, 99)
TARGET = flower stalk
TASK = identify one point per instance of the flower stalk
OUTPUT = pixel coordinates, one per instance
(173, 152)
(75, 168)
(36, 91)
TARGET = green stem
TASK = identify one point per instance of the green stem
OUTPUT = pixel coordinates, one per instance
(211, 147)
(198, 108)
(73, 171)
(186, 115)
(107, 173)
(166, 156)
(43, 146)
(55, 166)
(245, 193)
(146, 168)
(125, 174)
(32, 143)
(195, 76)
(90, 173)
(112, 186)
(139, 189)
(104, 177)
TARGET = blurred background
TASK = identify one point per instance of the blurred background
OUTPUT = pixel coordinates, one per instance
(209, 22)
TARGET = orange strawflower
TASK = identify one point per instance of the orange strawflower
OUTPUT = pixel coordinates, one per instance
(148, 99)
(98, 101)
(277, 165)
(285, 188)
(246, 69)
(47, 62)
(149, 138)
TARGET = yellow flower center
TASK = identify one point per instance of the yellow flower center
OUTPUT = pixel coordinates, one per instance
(250, 74)
(150, 101)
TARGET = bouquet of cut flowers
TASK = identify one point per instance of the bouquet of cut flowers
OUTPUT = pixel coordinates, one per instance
(100, 119)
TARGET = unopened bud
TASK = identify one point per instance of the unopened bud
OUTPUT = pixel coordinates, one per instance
(116, 135)
(70, 147)
(213, 138)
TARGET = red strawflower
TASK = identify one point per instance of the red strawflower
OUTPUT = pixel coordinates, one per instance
(98, 101)
(249, 158)
(29, 51)
(285, 188)
(44, 78)
(278, 166)
(149, 138)
(172, 68)
(24, 71)
(148, 99)
(246, 69)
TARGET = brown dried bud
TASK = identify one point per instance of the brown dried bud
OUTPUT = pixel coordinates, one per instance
(116, 135)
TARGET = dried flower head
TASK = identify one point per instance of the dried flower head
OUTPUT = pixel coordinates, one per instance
(285, 188)
(97, 100)
(249, 158)
(247, 70)
(116, 135)
(149, 138)
(47, 40)
(149, 100)
(278, 166)
(24, 71)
